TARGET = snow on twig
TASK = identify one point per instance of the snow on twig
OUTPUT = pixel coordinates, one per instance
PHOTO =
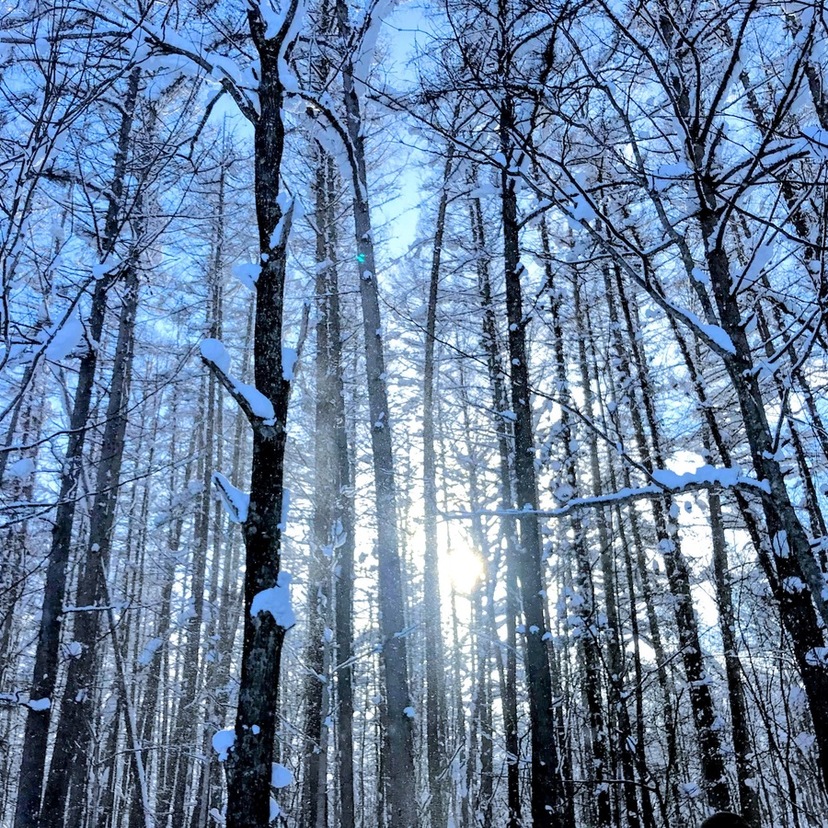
(665, 482)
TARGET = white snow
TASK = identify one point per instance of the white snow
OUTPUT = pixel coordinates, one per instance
(21, 469)
(65, 339)
(223, 742)
(762, 256)
(247, 273)
(152, 647)
(105, 267)
(713, 332)
(285, 509)
(727, 477)
(365, 56)
(716, 334)
(666, 174)
(331, 140)
(272, 14)
(213, 351)
(259, 404)
(277, 237)
(235, 501)
(793, 584)
(582, 211)
(225, 67)
(276, 601)
(280, 776)
(818, 656)
(298, 24)
(720, 337)
(289, 357)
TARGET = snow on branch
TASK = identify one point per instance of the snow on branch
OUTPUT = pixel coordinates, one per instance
(281, 776)
(222, 69)
(322, 103)
(256, 406)
(276, 23)
(665, 482)
(370, 27)
(280, 234)
(17, 698)
(235, 501)
(223, 742)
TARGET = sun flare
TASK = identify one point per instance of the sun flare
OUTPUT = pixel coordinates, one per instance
(461, 566)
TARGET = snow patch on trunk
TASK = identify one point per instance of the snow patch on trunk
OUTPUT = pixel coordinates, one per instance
(276, 601)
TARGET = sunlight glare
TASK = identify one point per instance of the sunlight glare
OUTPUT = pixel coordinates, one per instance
(462, 566)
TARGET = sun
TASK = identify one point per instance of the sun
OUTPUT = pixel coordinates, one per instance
(461, 566)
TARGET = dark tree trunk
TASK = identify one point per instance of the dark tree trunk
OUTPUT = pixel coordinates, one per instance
(599, 800)
(792, 553)
(678, 575)
(69, 764)
(505, 443)
(740, 724)
(435, 682)
(248, 765)
(548, 807)
(33, 765)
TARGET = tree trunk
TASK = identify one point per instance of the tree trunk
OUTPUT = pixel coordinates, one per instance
(344, 560)
(435, 682)
(505, 444)
(398, 767)
(678, 575)
(69, 764)
(248, 765)
(742, 747)
(33, 764)
(327, 525)
(792, 553)
(548, 807)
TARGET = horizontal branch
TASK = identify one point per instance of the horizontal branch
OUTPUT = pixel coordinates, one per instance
(707, 478)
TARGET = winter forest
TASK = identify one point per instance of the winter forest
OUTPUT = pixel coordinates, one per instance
(413, 414)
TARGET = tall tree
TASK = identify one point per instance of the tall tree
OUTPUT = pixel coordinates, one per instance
(46, 656)
(398, 772)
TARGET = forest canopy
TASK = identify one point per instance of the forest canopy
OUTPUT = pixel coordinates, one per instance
(413, 414)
